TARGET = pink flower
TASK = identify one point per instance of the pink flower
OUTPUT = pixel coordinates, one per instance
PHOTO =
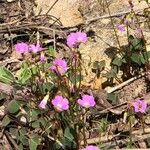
(43, 103)
(86, 101)
(121, 27)
(22, 47)
(42, 57)
(35, 48)
(140, 106)
(60, 103)
(91, 147)
(138, 33)
(75, 38)
(60, 66)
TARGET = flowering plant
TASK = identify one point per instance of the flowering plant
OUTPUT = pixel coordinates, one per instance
(54, 97)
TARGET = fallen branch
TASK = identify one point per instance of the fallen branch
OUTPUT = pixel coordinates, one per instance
(113, 89)
(118, 14)
(9, 61)
(105, 139)
(11, 140)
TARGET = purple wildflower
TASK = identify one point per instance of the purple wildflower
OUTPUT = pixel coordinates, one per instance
(138, 33)
(91, 147)
(121, 27)
(75, 38)
(140, 106)
(43, 103)
(60, 103)
(35, 48)
(81, 37)
(60, 66)
(42, 57)
(22, 47)
(86, 101)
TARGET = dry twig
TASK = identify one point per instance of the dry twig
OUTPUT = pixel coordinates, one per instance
(113, 89)
(137, 134)
(11, 140)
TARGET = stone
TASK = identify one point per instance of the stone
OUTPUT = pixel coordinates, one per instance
(66, 11)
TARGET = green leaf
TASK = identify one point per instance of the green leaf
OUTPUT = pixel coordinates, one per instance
(6, 120)
(14, 106)
(13, 131)
(43, 122)
(79, 78)
(46, 87)
(34, 70)
(68, 134)
(20, 146)
(51, 51)
(117, 61)
(35, 124)
(25, 75)
(69, 138)
(112, 73)
(23, 131)
(113, 97)
(148, 142)
(100, 65)
(136, 43)
(34, 142)
(6, 76)
(71, 76)
(136, 58)
(23, 136)
(32, 114)
(57, 146)
(146, 55)
(143, 61)
(23, 139)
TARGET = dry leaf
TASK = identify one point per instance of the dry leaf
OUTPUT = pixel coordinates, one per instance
(97, 84)
(5, 88)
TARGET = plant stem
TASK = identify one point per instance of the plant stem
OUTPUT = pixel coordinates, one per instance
(84, 129)
(80, 71)
(142, 119)
(130, 130)
(75, 70)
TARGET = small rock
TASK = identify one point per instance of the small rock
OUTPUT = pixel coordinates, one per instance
(9, 1)
(23, 119)
(70, 16)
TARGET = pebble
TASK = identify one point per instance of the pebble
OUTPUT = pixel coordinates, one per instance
(9, 1)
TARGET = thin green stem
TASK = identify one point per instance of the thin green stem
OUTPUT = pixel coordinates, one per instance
(142, 119)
